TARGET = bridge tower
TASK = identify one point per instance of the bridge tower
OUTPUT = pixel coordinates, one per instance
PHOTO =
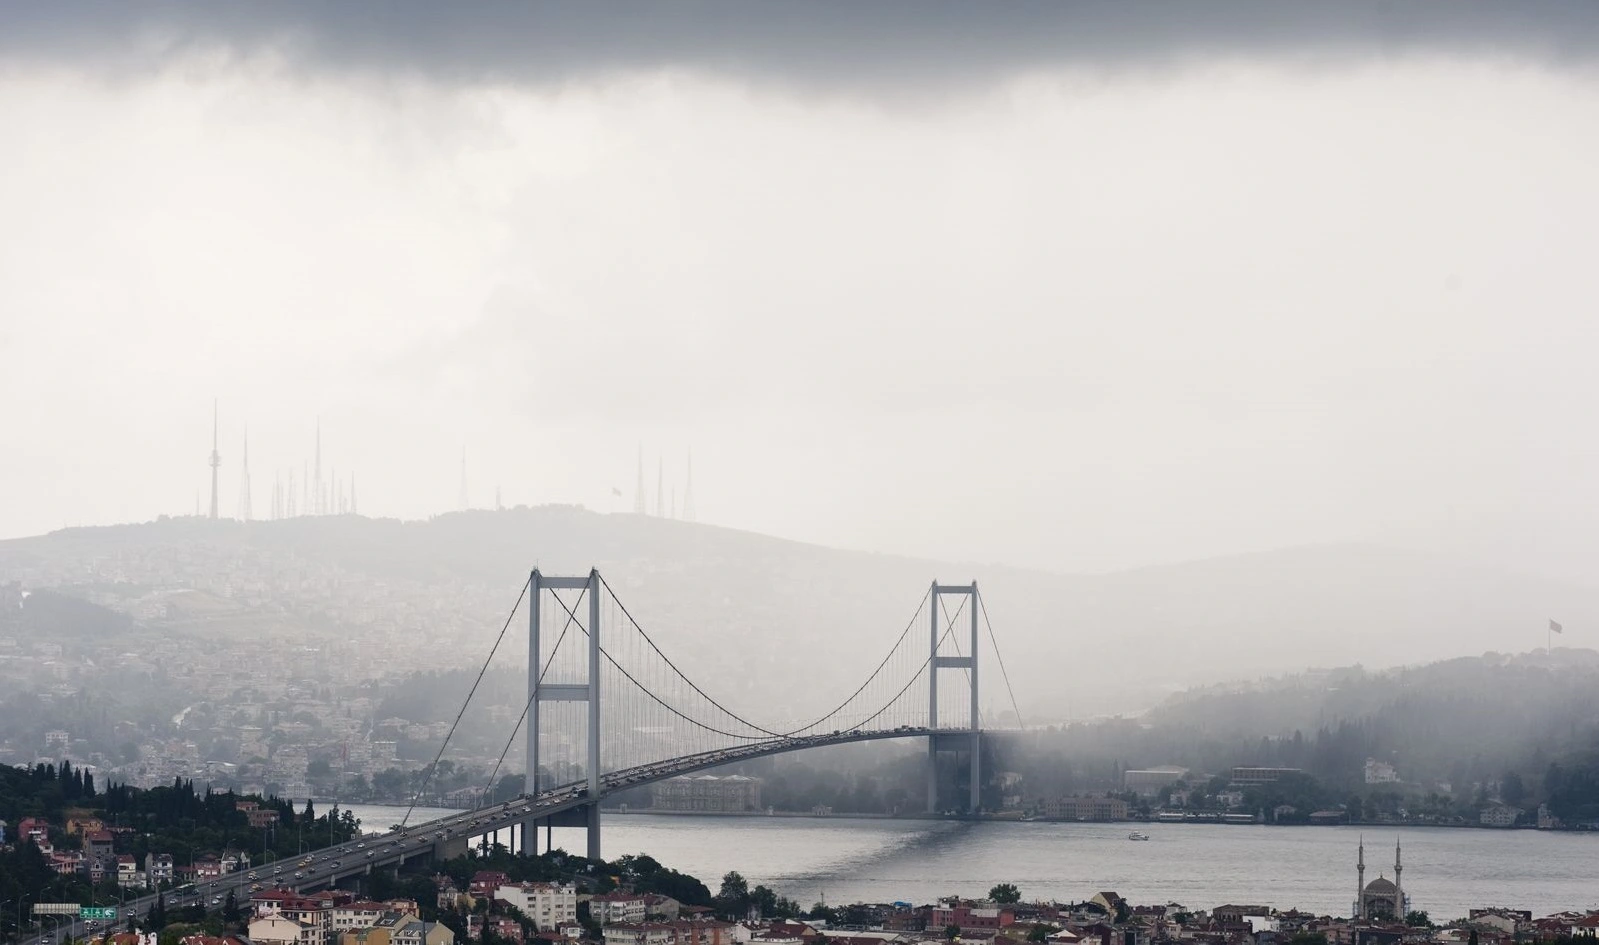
(587, 691)
(951, 741)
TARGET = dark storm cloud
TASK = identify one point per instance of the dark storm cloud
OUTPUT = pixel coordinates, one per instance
(823, 42)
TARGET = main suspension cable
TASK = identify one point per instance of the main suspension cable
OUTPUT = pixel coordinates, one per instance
(644, 689)
(918, 675)
(894, 649)
(1001, 660)
(532, 776)
(692, 684)
(434, 767)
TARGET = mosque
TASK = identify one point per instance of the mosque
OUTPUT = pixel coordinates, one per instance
(1379, 899)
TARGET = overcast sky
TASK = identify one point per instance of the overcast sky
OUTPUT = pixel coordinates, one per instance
(1077, 286)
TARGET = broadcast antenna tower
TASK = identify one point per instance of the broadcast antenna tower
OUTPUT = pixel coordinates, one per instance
(638, 493)
(688, 490)
(318, 504)
(216, 459)
(244, 487)
(464, 503)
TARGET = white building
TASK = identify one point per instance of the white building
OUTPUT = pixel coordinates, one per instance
(1500, 815)
(361, 914)
(613, 908)
(653, 933)
(547, 904)
(1380, 772)
(275, 929)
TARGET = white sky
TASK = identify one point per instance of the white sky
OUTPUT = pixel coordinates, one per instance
(1061, 317)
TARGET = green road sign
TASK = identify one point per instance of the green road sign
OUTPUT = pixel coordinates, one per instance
(97, 912)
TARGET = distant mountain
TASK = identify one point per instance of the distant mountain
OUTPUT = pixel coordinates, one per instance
(786, 628)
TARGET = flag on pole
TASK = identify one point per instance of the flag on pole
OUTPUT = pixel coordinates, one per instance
(1555, 627)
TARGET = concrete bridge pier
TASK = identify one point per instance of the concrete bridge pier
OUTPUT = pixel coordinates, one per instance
(450, 848)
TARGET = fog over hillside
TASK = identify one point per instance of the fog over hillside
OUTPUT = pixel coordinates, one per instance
(784, 628)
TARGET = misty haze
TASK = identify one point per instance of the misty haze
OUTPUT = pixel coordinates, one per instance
(705, 473)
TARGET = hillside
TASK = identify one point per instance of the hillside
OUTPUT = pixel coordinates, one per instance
(1457, 721)
(756, 612)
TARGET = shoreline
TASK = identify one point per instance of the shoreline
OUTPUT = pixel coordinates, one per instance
(645, 812)
(989, 818)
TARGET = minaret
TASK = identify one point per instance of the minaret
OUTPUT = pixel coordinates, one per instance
(244, 487)
(688, 490)
(1360, 882)
(638, 493)
(1399, 886)
(216, 459)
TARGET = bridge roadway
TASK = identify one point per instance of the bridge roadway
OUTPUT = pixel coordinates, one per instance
(447, 837)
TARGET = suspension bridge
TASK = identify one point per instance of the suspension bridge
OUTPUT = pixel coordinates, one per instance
(608, 710)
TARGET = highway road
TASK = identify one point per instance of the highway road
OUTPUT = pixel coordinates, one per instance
(328, 865)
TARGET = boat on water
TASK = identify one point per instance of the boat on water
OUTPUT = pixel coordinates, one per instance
(1135, 835)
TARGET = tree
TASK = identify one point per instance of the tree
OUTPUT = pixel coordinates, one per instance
(1418, 919)
(230, 908)
(733, 899)
(952, 932)
(156, 919)
(1005, 894)
(1039, 932)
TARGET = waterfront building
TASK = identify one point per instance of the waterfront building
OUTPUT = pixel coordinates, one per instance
(1251, 775)
(1147, 782)
(707, 792)
(1085, 808)
(1500, 815)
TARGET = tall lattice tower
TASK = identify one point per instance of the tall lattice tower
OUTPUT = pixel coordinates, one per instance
(688, 489)
(244, 485)
(660, 487)
(464, 503)
(318, 504)
(638, 492)
(216, 459)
